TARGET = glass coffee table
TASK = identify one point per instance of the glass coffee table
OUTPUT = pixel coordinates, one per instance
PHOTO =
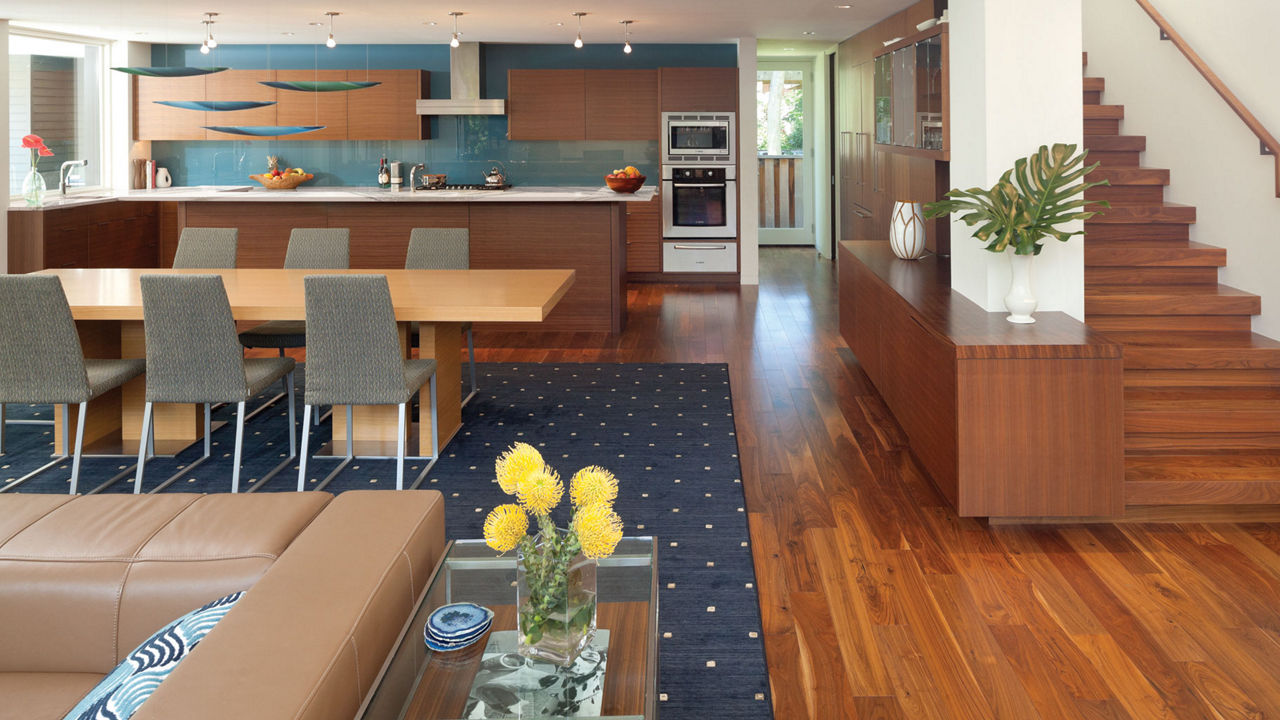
(489, 680)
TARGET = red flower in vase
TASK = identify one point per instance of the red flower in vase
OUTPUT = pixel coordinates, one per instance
(32, 142)
(44, 151)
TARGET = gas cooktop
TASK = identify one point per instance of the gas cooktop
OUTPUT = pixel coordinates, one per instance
(480, 186)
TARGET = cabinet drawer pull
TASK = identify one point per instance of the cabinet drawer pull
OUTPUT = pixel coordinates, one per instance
(701, 247)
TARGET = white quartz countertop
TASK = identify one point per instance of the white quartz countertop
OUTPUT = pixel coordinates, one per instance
(247, 193)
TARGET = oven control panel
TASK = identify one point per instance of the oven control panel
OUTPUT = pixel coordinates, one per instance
(702, 174)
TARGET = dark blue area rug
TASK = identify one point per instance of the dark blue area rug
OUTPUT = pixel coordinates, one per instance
(666, 431)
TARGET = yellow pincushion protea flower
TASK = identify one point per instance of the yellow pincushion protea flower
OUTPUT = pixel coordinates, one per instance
(599, 529)
(505, 527)
(516, 464)
(540, 491)
(593, 485)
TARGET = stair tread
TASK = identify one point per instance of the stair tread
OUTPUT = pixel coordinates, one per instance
(1116, 143)
(1103, 112)
(1154, 466)
(1191, 340)
(1095, 84)
(1165, 291)
(1122, 254)
(1130, 175)
(1166, 212)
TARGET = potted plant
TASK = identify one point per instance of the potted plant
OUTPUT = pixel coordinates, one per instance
(556, 567)
(1025, 206)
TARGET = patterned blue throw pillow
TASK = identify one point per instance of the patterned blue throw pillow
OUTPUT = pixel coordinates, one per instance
(121, 693)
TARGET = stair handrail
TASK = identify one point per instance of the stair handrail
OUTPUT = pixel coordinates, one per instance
(1270, 145)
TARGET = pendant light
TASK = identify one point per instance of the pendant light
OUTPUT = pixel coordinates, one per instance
(209, 43)
(454, 41)
(578, 40)
(626, 35)
(331, 43)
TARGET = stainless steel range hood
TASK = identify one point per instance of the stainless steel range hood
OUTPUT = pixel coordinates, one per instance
(464, 87)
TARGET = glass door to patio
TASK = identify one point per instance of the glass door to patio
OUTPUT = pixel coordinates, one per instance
(784, 152)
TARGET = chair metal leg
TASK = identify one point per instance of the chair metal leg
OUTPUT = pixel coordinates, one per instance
(435, 439)
(293, 441)
(142, 448)
(306, 440)
(351, 433)
(75, 461)
(235, 470)
(351, 453)
(2, 422)
(400, 447)
(208, 451)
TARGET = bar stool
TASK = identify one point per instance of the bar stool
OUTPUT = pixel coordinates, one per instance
(193, 357)
(443, 249)
(41, 361)
(206, 248)
(354, 358)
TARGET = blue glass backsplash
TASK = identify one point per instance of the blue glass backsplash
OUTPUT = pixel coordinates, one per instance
(461, 147)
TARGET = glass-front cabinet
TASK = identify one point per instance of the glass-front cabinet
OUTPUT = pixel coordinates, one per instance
(911, 94)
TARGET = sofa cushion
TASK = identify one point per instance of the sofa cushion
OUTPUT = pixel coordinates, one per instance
(123, 691)
(83, 581)
(307, 642)
(42, 696)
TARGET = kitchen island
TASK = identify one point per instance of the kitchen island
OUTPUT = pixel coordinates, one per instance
(578, 228)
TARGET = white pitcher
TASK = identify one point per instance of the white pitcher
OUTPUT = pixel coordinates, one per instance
(163, 178)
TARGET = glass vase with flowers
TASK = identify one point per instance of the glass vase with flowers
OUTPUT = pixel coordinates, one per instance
(33, 186)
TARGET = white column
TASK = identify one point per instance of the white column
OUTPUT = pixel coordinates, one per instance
(5, 148)
(1016, 84)
(120, 136)
(749, 206)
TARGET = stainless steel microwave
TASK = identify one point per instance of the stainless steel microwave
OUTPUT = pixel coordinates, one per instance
(698, 138)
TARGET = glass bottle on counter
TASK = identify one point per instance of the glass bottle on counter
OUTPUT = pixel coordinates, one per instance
(384, 173)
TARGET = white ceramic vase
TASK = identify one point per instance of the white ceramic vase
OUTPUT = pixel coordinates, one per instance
(906, 230)
(163, 178)
(1020, 300)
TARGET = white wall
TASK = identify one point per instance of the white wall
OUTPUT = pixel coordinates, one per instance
(4, 133)
(1015, 85)
(820, 179)
(748, 189)
(120, 134)
(1213, 156)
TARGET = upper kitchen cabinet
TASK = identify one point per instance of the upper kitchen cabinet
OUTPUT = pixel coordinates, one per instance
(312, 108)
(240, 85)
(622, 105)
(388, 111)
(162, 122)
(546, 104)
(701, 89)
(912, 97)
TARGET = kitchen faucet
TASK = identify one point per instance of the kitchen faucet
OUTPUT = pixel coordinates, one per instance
(413, 172)
(63, 174)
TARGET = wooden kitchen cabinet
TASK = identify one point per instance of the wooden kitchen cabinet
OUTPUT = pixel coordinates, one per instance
(702, 89)
(111, 234)
(644, 236)
(161, 122)
(388, 111)
(240, 85)
(546, 104)
(313, 108)
(622, 105)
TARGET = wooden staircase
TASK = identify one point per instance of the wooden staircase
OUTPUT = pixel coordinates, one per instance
(1202, 391)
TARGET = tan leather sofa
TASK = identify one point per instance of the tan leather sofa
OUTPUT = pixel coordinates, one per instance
(331, 582)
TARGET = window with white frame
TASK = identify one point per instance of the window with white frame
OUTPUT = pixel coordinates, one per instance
(57, 90)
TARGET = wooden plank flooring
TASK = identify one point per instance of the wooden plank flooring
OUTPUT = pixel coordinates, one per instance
(879, 602)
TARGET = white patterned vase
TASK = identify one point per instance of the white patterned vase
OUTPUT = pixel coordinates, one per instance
(906, 230)
(1020, 300)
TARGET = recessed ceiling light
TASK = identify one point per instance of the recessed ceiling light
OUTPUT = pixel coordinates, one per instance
(843, 7)
(286, 33)
(558, 24)
(316, 24)
(433, 23)
(788, 49)
(808, 32)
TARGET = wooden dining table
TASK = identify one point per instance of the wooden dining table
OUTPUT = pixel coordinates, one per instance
(107, 307)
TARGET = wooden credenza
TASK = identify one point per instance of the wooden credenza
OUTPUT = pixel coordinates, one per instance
(1010, 421)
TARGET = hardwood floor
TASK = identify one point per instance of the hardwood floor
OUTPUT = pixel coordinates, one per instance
(879, 602)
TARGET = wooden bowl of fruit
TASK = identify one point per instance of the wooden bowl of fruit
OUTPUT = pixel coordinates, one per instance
(288, 179)
(626, 180)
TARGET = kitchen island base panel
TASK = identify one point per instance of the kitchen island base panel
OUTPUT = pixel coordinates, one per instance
(588, 237)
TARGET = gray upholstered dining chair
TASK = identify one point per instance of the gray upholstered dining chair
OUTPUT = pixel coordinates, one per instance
(309, 249)
(444, 249)
(41, 361)
(354, 358)
(211, 248)
(193, 357)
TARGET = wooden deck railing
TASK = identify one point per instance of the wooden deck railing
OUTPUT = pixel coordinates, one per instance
(778, 198)
(1270, 146)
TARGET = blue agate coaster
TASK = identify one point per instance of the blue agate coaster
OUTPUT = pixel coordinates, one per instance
(455, 626)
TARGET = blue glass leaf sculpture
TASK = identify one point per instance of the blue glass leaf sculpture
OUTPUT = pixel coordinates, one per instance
(169, 72)
(263, 130)
(216, 105)
(319, 85)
